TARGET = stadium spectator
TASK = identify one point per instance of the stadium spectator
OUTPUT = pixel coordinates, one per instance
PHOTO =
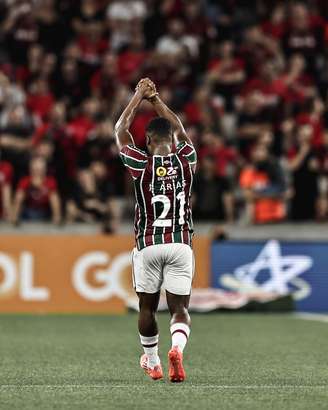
(322, 155)
(90, 12)
(304, 165)
(6, 175)
(212, 198)
(40, 99)
(304, 35)
(100, 146)
(312, 115)
(91, 45)
(84, 121)
(92, 200)
(15, 142)
(36, 197)
(275, 26)
(21, 30)
(132, 59)
(263, 188)
(31, 69)
(53, 32)
(104, 81)
(297, 85)
(203, 109)
(124, 18)
(70, 87)
(226, 73)
(258, 48)
(225, 157)
(172, 44)
(253, 73)
(10, 95)
(253, 120)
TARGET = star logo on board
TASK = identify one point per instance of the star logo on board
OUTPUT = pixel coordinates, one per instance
(282, 273)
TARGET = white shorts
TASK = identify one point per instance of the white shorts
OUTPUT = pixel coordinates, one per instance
(171, 264)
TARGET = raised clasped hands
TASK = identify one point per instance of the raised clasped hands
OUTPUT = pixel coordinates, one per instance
(147, 88)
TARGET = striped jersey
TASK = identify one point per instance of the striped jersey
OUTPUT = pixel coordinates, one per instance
(163, 189)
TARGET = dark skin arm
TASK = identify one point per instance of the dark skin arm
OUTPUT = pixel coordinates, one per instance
(164, 111)
(122, 134)
(146, 89)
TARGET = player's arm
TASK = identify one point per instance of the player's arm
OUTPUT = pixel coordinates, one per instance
(122, 134)
(164, 111)
(184, 144)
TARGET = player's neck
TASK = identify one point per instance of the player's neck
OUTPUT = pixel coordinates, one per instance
(162, 150)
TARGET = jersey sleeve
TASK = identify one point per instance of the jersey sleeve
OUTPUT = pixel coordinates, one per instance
(134, 159)
(51, 184)
(23, 184)
(7, 171)
(187, 151)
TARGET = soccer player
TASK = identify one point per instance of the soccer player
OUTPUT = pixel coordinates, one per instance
(163, 225)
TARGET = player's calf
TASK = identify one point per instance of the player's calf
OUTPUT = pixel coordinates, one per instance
(179, 333)
(180, 322)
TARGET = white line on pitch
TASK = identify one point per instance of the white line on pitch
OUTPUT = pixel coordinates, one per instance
(206, 386)
(311, 316)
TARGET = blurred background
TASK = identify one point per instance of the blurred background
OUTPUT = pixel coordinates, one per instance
(249, 80)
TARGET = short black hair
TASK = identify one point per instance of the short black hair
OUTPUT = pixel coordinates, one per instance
(159, 128)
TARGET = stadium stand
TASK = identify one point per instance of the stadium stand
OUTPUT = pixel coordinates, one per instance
(249, 79)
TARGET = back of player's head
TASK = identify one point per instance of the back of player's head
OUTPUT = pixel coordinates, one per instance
(159, 130)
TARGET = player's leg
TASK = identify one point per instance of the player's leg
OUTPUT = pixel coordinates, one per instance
(180, 330)
(178, 274)
(147, 325)
(180, 319)
(147, 278)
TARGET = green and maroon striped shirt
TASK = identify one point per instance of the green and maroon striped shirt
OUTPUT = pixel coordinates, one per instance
(163, 189)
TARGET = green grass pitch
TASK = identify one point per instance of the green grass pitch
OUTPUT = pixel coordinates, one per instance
(233, 361)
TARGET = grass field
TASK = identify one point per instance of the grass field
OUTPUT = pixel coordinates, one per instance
(232, 362)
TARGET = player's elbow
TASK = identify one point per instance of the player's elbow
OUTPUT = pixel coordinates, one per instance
(117, 133)
(117, 129)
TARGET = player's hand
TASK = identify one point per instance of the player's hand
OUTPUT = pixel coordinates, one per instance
(147, 88)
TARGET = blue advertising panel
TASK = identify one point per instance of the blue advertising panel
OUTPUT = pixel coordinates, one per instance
(296, 268)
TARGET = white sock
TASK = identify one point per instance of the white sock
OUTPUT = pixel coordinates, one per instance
(180, 333)
(150, 346)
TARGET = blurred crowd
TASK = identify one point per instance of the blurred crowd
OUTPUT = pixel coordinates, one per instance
(249, 79)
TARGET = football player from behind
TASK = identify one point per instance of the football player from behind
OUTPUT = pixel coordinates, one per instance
(163, 254)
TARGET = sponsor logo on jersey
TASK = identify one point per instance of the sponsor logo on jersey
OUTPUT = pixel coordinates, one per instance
(161, 171)
(169, 171)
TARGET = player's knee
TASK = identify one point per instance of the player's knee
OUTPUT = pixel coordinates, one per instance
(146, 311)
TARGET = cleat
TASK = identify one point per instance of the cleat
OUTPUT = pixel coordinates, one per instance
(177, 373)
(155, 373)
